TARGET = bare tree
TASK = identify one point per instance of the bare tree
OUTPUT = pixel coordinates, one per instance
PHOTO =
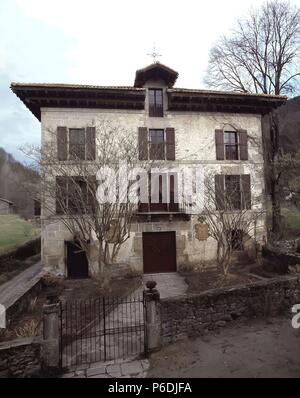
(70, 190)
(232, 217)
(262, 55)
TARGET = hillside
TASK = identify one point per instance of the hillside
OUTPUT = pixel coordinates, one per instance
(17, 181)
(290, 125)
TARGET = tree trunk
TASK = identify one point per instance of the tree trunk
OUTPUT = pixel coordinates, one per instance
(274, 180)
(103, 272)
(276, 209)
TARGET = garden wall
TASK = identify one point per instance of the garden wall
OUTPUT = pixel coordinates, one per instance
(20, 358)
(188, 315)
(22, 299)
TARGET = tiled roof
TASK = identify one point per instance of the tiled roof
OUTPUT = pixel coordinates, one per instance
(215, 92)
(73, 86)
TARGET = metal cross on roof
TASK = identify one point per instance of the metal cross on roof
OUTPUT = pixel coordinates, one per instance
(154, 55)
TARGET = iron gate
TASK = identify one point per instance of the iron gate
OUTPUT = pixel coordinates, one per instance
(102, 329)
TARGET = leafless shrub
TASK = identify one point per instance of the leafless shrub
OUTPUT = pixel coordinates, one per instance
(29, 328)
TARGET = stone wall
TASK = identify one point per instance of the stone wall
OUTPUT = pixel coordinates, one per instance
(192, 314)
(20, 358)
(21, 300)
(280, 258)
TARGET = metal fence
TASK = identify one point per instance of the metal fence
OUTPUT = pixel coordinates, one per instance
(102, 329)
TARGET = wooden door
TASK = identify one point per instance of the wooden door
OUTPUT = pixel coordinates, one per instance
(77, 263)
(159, 252)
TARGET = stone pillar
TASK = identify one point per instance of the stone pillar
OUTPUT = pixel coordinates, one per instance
(51, 334)
(152, 321)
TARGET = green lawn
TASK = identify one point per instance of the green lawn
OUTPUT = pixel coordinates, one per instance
(15, 231)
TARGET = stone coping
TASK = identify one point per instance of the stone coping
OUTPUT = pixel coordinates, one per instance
(240, 287)
(22, 341)
(17, 287)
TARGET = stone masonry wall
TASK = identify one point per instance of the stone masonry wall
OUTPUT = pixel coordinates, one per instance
(20, 358)
(195, 146)
(192, 314)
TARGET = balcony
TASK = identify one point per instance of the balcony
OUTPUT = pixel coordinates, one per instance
(147, 212)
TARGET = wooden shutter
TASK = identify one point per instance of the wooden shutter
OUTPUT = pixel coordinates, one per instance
(243, 143)
(90, 143)
(170, 143)
(61, 194)
(219, 192)
(219, 137)
(246, 191)
(143, 143)
(62, 140)
(173, 205)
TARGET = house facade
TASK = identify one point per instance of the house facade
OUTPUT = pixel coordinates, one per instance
(219, 132)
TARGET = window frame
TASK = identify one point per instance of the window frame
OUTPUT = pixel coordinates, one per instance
(69, 182)
(231, 145)
(227, 187)
(69, 153)
(162, 143)
(155, 109)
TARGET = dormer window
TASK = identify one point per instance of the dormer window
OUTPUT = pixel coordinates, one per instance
(155, 102)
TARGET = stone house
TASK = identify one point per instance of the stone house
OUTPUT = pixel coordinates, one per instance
(218, 131)
(6, 206)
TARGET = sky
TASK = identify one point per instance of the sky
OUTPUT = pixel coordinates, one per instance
(101, 42)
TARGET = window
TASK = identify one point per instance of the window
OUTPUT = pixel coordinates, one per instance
(74, 195)
(231, 145)
(233, 192)
(155, 102)
(76, 143)
(237, 236)
(163, 193)
(156, 144)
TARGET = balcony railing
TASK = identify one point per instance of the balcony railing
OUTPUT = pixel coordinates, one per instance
(163, 210)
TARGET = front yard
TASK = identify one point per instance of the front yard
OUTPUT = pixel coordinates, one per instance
(29, 322)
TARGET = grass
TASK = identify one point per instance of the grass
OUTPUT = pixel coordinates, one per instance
(15, 231)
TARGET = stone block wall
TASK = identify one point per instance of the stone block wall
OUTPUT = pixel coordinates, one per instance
(195, 147)
(192, 314)
(20, 358)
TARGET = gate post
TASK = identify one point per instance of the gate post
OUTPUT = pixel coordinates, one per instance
(152, 318)
(51, 335)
